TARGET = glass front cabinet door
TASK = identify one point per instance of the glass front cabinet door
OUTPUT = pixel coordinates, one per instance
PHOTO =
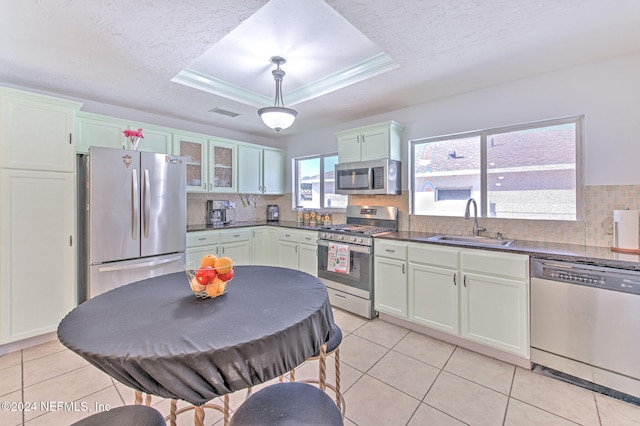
(222, 166)
(193, 148)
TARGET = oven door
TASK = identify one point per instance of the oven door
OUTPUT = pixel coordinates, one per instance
(360, 267)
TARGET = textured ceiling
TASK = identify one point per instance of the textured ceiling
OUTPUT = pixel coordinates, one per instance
(126, 53)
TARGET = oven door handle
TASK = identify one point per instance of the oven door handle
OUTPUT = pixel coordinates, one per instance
(353, 248)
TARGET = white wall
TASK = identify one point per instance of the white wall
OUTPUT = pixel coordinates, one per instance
(606, 92)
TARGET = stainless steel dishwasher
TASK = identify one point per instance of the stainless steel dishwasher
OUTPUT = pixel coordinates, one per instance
(585, 326)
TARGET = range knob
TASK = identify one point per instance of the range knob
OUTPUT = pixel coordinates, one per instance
(361, 240)
(353, 239)
(340, 237)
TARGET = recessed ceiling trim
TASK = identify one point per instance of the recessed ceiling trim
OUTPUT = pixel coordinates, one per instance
(376, 65)
(206, 83)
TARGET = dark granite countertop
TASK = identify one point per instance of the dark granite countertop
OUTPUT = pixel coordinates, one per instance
(233, 225)
(576, 253)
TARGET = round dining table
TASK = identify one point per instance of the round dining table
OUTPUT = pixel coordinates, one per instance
(158, 338)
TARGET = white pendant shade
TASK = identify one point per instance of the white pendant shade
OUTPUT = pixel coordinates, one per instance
(278, 118)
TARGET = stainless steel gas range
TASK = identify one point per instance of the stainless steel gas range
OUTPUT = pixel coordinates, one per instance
(345, 256)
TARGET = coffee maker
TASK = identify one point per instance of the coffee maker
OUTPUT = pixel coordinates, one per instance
(273, 213)
(216, 216)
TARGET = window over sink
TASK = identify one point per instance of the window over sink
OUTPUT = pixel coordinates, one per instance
(526, 171)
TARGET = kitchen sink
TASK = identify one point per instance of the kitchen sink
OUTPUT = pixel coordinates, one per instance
(472, 240)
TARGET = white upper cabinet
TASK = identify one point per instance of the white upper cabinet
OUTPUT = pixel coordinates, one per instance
(261, 170)
(99, 130)
(194, 149)
(378, 141)
(222, 166)
(37, 132)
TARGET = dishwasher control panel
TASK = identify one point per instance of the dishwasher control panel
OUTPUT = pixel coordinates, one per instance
(575, 277)
(588, 275)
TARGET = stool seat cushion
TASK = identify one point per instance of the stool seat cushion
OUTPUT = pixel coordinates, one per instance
(128, 415)
(334, 342)
(288, 404)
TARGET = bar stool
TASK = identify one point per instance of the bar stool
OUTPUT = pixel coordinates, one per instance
(128, 415)
(333, 347)
(288, 404)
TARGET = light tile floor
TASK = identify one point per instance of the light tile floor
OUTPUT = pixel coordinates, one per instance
(389, 375)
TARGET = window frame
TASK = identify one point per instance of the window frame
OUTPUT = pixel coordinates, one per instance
(295, 187)
(578, 120)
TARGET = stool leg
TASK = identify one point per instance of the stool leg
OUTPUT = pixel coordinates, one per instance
(173, 415)
(338, 399)
(147, 400)
(323, 367)
(138, 398)
(198, 415)
(226, 409)
(292, 375)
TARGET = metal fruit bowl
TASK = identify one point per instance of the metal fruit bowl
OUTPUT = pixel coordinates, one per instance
(217, 287)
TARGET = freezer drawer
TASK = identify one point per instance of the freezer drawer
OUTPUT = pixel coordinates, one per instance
(108, 276)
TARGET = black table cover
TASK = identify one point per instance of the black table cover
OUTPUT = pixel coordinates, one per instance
(155, 336)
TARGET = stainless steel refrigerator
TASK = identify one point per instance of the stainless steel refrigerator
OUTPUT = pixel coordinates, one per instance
(132, 218)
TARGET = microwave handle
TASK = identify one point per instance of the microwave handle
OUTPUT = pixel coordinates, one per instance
(371, 169)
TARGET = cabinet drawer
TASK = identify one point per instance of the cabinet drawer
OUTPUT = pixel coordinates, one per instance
(307, 237)
(391, 250)
(436, 256)
(495, 264)
(232, 235)
(289, 235)
(204, 238)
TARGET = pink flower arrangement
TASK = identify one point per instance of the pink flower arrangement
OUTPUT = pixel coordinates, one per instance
(133, 133)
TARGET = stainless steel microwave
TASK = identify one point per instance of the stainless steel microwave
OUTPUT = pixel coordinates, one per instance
(368, 177)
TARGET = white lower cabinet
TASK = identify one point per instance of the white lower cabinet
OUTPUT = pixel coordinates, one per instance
(495, 300)
(308, 259)
(233, 243)
(296, 249)
(390, 278)
(37, 252)
(433, 287)
(479, 295)
(260, 249)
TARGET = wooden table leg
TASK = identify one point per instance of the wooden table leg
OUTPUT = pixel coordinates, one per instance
(138, 398)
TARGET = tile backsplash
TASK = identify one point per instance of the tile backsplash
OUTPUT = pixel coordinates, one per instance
(595, 229)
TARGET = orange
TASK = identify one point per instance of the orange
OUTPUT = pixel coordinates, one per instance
(208, 260)
(196, 286)
(224, 265)
(215, 288)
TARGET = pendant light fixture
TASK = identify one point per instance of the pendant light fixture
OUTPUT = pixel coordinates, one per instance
(278, 117)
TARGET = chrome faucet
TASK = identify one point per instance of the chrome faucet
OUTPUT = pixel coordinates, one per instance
(467, 215)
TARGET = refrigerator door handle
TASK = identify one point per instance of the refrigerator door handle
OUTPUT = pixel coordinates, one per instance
(147, 202)
(135, 205)
(139, 265)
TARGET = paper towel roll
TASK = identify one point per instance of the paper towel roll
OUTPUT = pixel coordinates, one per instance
(626, 229)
